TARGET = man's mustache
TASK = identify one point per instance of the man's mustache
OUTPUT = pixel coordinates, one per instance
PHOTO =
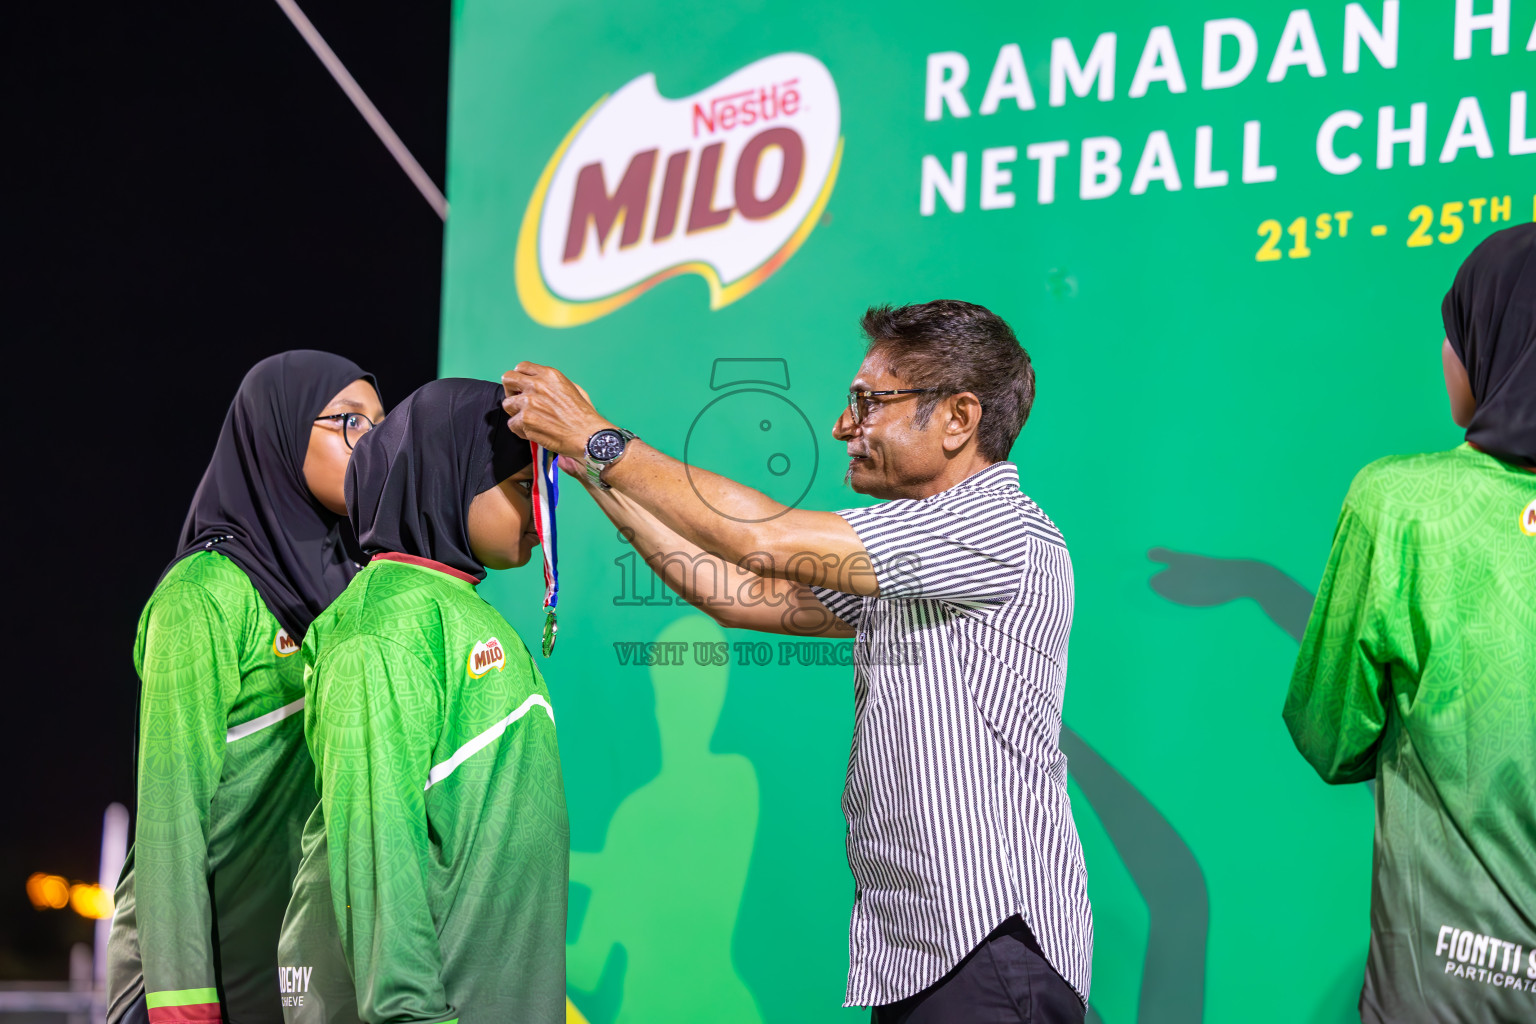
(848, 473)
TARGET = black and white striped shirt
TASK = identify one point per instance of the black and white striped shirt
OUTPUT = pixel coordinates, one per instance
(956, 796)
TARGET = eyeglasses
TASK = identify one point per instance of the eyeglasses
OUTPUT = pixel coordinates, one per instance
(858, 401)
(353, 425)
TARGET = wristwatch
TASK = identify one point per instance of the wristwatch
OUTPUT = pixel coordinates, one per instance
(604, 448)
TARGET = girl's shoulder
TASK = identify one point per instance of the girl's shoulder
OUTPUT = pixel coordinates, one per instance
(208, 569)
(404, 606)
(1426, 487)
(208, 576)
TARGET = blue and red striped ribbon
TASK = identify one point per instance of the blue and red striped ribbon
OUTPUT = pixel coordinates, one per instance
(546, 495)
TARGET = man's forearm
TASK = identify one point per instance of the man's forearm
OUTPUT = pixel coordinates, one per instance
(686, 499)
(680, 563)
(745, 527)
(734, 596)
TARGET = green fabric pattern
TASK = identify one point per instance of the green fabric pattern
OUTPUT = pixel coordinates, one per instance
(220, 814)
(434, 877)
(1418, 669)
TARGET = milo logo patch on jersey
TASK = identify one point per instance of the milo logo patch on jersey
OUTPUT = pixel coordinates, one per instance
(283, 645)
(1528, 520)
(486, 656)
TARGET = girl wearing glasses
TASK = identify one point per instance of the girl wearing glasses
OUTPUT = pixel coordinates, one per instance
(224, 783)
(433, 884)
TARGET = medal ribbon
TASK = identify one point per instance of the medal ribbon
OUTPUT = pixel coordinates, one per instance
(546, 495)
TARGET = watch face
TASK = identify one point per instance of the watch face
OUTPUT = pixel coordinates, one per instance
(605, 445)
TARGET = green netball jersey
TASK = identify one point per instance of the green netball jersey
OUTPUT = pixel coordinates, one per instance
(1418, 669)
(224, 789)
(433, 882)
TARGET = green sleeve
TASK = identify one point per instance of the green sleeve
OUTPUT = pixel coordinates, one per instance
(377, 714)
(1338, 700)
(189, 666)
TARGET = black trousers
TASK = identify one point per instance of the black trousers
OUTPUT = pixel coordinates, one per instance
(1004, 980)
(137, 1012)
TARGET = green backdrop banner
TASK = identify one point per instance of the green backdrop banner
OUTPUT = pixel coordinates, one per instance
(1222, 232)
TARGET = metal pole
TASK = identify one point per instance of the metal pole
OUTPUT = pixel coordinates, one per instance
(114, 850)
(364, 105)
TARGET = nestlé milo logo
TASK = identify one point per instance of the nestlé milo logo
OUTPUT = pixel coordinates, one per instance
(726, 184)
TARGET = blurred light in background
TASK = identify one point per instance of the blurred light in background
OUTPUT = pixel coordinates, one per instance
(90, 901)
(53, 892)
(48, 892)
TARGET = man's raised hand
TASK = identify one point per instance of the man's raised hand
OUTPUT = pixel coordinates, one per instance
(546, 407)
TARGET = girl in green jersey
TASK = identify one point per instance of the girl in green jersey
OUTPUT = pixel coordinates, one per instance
(1418, 670)
(224, 785)
(433, 882)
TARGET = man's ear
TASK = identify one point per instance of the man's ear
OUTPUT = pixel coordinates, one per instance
(962, 417)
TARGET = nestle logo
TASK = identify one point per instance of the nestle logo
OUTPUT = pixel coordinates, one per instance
(747, 107)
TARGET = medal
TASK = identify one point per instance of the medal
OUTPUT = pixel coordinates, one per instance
(546, 495)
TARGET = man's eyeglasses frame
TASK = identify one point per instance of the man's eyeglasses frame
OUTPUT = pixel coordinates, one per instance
(856, 399)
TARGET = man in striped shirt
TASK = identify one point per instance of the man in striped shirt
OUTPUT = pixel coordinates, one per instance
(970, 902)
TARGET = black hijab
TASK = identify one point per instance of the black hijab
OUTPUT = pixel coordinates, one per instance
(254, 505)
(412, 478)
(1490, 320)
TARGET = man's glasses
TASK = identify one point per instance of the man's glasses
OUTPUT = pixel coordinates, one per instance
(858, 401)
(353, 425)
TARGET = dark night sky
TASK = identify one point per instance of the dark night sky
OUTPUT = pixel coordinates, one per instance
(189, 192)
